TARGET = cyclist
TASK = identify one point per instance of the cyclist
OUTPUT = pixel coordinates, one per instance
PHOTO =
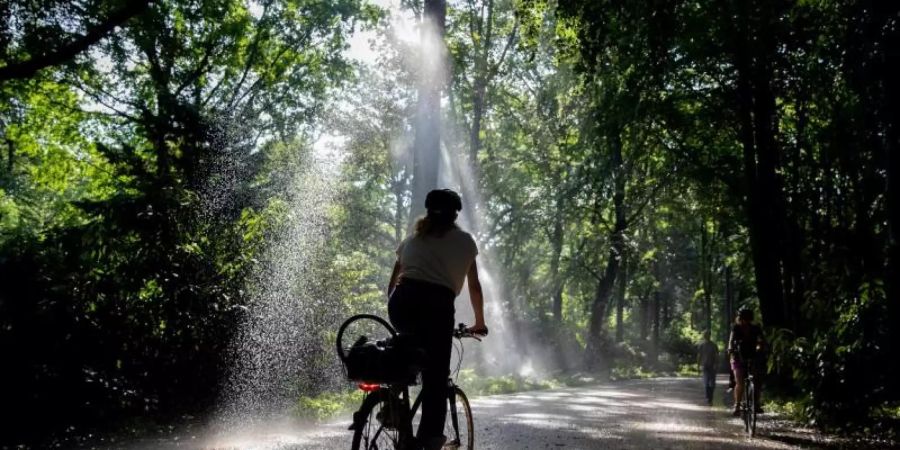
(431, 267)
(707, 356)
(746, 344)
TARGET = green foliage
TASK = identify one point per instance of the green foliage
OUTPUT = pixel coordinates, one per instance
(835, 362)
(328, 405)
(680, 344)
(474, 384)
(140, 183)
(630, 372)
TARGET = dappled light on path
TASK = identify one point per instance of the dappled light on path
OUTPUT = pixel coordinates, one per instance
(658, 414)
(665, 413)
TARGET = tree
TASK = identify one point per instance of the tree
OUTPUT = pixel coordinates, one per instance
(158, 199)
(432, 79)
(615, 38)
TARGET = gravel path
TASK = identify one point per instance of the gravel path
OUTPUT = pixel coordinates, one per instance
(646, 414)
(667, 413)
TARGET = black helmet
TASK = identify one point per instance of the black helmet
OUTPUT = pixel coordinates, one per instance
(443, 201)
(745, 313)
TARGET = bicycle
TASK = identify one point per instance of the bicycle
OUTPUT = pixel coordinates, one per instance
(749, 408)
(385, 419)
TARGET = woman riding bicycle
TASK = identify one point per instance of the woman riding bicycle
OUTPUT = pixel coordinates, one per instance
(745, 346)
(431, 267)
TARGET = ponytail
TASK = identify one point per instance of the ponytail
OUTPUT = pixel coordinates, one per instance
(435, 224)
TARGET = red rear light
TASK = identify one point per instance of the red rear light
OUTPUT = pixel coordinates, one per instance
(366, 387)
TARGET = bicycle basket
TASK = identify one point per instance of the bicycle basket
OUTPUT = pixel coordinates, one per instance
(393, 359)
(389, 361)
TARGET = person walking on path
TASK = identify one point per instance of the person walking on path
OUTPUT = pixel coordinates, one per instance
(707, 356)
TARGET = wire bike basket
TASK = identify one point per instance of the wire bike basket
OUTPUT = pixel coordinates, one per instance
(372, 352)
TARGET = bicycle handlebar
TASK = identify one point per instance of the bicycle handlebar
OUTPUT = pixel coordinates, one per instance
(462, 331)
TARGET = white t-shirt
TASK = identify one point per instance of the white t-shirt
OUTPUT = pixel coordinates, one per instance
(441, 260)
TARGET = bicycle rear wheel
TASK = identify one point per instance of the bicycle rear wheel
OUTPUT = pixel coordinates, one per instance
(377, 424)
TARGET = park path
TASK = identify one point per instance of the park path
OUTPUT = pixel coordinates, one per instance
(661, 413)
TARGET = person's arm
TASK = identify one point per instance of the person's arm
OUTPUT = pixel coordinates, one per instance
(700, 355)
(476, 296)
(731, 348)
(761, 344)
(394, 275)
(716, 356)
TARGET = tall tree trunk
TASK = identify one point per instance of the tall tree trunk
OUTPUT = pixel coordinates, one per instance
(644, 323)
(556, 240)
(889, 74)
(666, 299)
(481, 79)
(706, 275)
(893, 181)
(728, 309)
(432, 77)
(620, 301)
(657, 305)
(756, 112)
(607, 279)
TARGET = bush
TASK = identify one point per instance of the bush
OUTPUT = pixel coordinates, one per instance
(839, 370)
(328, 405)
(474, 384)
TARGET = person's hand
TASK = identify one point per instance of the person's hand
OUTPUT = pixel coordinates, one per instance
(478, 329)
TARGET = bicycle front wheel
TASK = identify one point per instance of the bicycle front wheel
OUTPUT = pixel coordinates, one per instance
(460, 428)
(376, 426)
(751, 427)
(747, 407)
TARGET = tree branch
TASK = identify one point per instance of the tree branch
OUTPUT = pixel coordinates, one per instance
(28, 67)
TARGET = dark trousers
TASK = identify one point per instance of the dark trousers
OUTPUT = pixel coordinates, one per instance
(425, 311)
(709, 382)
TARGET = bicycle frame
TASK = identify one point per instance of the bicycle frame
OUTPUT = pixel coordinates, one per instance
(400, 413)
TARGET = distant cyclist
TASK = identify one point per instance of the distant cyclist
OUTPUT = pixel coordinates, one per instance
(707, 357)
(431, 267)
(746, 346)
